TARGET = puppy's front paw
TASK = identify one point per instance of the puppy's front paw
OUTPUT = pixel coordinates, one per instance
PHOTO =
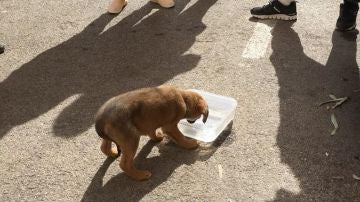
(190, 144)
(158, 136)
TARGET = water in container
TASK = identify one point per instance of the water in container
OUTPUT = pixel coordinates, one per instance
(221, 113)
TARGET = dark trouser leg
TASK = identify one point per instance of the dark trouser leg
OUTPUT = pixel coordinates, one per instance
(351, 1)
(348, 14)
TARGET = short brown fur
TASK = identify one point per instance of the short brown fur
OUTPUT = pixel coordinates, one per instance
(124, 118)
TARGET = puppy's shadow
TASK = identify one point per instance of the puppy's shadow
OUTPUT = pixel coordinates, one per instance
(123, 188)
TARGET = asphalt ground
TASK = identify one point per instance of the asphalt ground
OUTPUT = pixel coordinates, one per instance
(63, 59)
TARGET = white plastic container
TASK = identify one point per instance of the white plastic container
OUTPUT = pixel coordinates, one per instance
(221, 113)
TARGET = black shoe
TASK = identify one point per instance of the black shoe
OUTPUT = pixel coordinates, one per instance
(347, 17)
(2, 49)
(275, 10)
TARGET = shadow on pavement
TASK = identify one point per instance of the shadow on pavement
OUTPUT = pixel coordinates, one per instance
(323, 164)
(140, 51)
(123, 188)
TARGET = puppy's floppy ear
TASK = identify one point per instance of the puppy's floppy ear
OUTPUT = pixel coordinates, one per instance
(205, 114)
(204, 110)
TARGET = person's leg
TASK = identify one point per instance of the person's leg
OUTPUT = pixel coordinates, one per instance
(351, 1)
(347, 16)
(116, 6)
(276, 9)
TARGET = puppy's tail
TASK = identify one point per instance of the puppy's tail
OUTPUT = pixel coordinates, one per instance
(100, 130)
(100, 127)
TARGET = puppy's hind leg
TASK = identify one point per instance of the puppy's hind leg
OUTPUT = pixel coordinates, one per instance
(128, 144)
(108, 150)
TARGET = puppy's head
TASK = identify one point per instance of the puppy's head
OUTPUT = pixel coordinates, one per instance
(195, 107)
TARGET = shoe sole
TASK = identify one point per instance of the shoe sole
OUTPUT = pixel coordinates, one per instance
(347, 29)
(276, 17)
(172, 4)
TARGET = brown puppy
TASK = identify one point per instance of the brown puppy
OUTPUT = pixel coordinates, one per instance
(124, 118)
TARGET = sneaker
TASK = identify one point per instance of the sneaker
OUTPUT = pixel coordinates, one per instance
(275, 10)
(347, 17)
(164, 3)
(2, 49)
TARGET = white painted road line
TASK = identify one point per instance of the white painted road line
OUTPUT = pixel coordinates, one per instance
(259, 41)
